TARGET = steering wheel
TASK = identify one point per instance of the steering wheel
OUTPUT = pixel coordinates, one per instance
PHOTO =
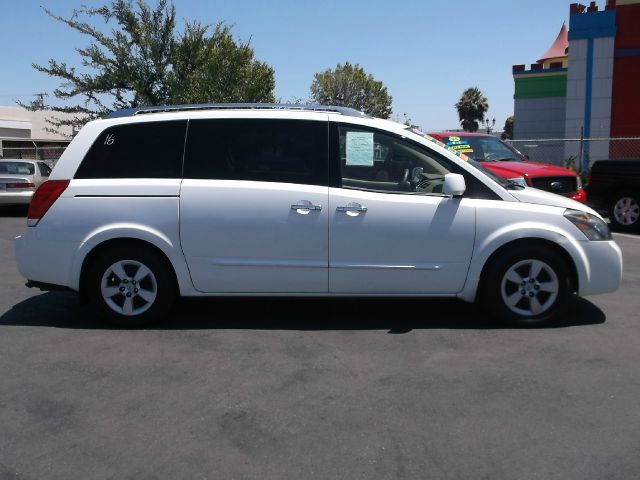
(492, 157)
(405, 184)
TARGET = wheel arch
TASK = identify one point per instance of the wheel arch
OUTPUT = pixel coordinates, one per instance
(530, 242)
(105, 245)
(571, 253)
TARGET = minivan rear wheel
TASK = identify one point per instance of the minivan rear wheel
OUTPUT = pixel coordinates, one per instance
(526, 286)
(130, 286)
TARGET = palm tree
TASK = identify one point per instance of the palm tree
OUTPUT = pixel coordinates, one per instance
(508, 128)
(471, 108)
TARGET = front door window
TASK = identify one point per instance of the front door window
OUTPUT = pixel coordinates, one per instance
(373, 160)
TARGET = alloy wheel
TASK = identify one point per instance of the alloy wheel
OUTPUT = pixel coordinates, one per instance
(129, 287)
(529, 288)
(626, 211)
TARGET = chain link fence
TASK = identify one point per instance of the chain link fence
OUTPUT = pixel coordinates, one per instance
(49, 154)
(578, 153)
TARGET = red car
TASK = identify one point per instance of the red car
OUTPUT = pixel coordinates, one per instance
(507, 162)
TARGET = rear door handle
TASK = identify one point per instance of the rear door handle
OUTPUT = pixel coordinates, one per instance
(303, 206)
(352, 208)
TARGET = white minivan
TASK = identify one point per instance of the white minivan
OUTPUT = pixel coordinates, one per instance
(272, 200)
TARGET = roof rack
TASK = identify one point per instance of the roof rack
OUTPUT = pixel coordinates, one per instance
(129, 112)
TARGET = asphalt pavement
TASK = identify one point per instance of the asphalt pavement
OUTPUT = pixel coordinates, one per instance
(306, 389)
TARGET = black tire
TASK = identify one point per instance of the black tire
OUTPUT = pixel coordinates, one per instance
(624, 211)
(160, 280)
(497, 288)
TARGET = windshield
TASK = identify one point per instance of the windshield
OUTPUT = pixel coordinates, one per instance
(438, 142)
(482, 149)
(17, 168)
(499, 180)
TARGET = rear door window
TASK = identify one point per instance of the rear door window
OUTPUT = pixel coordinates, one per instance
(264, 150)
(138, 150)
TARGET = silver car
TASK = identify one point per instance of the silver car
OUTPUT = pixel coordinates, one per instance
(19, 179)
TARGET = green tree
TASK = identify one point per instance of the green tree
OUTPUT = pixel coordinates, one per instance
(350, 86)
(144, 60)
(215, 68)
(471, 108)
(507, 132)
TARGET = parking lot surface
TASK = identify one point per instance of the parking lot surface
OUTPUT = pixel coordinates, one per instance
(301, 389)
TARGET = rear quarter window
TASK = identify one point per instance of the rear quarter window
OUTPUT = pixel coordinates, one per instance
(139, 150)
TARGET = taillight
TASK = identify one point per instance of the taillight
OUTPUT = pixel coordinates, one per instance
(43, 198)
(20, 185)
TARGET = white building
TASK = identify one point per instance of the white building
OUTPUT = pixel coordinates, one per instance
(24, 134)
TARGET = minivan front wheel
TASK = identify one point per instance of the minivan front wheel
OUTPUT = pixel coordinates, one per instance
(527, 286)
(130, 286)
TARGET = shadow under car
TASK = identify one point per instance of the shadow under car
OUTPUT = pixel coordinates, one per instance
(397, 315)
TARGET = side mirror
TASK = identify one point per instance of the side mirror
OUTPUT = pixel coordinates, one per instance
(454, 184)
(526, 158)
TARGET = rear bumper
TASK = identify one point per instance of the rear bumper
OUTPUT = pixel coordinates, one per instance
(599, 200)
(15, 198)
(44, 262)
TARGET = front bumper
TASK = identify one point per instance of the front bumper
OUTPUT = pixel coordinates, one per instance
(603, 272)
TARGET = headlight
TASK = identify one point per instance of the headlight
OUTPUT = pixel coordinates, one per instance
(593, 227)
(518, 181)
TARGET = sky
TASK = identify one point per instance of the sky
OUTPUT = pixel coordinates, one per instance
(425, 52)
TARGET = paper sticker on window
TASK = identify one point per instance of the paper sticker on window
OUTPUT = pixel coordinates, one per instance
(459, 145)
(360, 149)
